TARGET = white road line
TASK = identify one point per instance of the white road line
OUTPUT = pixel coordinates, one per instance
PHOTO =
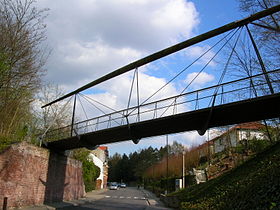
(135, 197)
(128, 197)
(107, 196)
(121, 197)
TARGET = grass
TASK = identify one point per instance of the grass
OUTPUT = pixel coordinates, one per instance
(253, 185)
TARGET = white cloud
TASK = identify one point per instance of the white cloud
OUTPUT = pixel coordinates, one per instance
(116, 92)
(197, 51)
(199, 80)
(90, 38)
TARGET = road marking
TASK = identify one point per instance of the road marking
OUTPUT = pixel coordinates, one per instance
(122, 197)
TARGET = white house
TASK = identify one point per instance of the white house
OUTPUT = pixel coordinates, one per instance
(238, 133)
(100, 158)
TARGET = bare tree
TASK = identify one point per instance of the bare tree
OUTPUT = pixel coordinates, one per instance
(266, 31)
(22, 57)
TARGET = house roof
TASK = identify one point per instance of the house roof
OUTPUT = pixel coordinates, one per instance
(250, 125)
(103, 148)
(247, 126)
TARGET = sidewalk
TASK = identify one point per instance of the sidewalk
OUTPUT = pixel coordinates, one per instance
(57, 205)
(153, 200)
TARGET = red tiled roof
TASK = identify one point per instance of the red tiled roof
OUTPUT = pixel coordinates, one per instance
(103, 147)
(250, 125)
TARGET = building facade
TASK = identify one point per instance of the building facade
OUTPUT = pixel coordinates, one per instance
(100, 158)
(237, 135)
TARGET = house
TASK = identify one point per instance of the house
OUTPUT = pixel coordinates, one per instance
(237, 134)
(100, 158)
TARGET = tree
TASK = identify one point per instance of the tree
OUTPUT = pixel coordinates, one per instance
(56, 116)
(265, 31)
(113, 164)
(176, 148)
(22, 33)
(90, 171)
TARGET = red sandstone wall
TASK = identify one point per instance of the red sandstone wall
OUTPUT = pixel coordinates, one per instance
(31, 175)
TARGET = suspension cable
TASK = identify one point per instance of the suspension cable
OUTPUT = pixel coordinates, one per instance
(89, 98)
(82, 107)
(99, 108)
(131, 89)
(226, 66)
(202, 69)
(55, 118)
(183, 70)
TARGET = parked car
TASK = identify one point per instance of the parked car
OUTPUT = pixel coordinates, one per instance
(123, 185)
(114, 186)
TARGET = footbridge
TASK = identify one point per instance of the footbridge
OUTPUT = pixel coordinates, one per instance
(247, 89)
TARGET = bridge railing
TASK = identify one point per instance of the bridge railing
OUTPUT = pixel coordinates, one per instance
(228, 92)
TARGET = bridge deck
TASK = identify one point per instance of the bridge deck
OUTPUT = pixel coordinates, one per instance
(260, 108)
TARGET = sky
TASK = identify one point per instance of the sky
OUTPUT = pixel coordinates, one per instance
(90, 38)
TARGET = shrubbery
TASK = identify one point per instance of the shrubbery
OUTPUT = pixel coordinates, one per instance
(253, 185)
(90, 171)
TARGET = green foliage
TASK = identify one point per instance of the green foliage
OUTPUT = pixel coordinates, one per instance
(90, 174)
(253, 185)
(254, 145)
(21, 62)
(5, 142)
(90, 171)
(131, 168)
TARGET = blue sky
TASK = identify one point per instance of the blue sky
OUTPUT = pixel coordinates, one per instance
(90, 38)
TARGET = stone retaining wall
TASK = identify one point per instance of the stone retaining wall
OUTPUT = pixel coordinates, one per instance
(31, 175)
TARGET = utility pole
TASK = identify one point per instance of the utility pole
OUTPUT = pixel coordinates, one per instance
(183, 172)
(167, 164)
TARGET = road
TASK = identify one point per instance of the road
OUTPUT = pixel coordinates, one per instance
(124, 198)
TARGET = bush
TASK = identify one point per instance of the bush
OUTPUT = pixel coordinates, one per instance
(253, 185)
(90, 171)
(90, 174)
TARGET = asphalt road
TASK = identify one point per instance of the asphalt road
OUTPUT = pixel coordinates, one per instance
(123, 198)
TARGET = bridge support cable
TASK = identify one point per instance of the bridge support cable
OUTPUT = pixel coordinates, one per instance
(264, 72)
(41, 138)
(226, 67)
(87, 118)
(73, 114)
(210, 60)
(202, 131)
(260, 60)
(135, 77)
(130, 92)
(90, 101)
(187, 67)
(138, 93)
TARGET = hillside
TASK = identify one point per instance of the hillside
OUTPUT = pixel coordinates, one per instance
(253, 185)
